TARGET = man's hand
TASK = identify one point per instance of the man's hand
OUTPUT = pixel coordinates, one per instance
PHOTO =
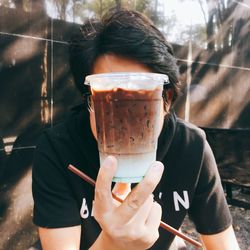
(133, 224)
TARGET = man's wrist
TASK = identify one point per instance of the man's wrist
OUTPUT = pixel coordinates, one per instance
(104, 242)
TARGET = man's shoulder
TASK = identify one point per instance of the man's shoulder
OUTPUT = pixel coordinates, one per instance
(65, 128)
(57, 130)
(189, 130)
(52, 137)
(188, 138)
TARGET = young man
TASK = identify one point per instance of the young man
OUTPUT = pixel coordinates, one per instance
(126, 41)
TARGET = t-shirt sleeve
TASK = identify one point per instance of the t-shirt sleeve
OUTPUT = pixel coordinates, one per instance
(54, 205)
(209, 210)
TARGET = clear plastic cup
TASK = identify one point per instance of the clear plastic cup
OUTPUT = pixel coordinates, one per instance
(127, 110)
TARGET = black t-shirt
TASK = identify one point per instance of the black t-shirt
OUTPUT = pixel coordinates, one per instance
(190, 183)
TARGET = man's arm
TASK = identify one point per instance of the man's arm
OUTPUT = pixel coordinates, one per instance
(225, 240)
(67, 238)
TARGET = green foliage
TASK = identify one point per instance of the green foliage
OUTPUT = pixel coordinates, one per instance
(215, 16)
(6, 3)
(99, 7)
(139, 5)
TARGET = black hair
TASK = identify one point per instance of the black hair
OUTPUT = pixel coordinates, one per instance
(125, 33)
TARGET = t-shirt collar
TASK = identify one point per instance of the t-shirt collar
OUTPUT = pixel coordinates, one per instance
(166, 135)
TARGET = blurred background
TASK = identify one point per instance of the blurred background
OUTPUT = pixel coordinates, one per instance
(211, 40)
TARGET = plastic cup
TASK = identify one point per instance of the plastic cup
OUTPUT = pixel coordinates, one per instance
(127, 110)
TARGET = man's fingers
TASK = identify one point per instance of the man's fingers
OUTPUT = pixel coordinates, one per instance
(141, 192)
(154, 218)
(153, 222)
(103, 195)
(143, 212)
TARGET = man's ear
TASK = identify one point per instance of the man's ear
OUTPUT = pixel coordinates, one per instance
(168, 97)
(170, 94)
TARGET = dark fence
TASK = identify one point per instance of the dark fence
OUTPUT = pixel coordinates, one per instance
(231, 148)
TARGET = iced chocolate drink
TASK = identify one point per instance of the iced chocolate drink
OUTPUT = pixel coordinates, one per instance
(128, 124)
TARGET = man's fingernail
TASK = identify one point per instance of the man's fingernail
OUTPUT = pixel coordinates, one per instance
(158, 166)
(109, 161)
